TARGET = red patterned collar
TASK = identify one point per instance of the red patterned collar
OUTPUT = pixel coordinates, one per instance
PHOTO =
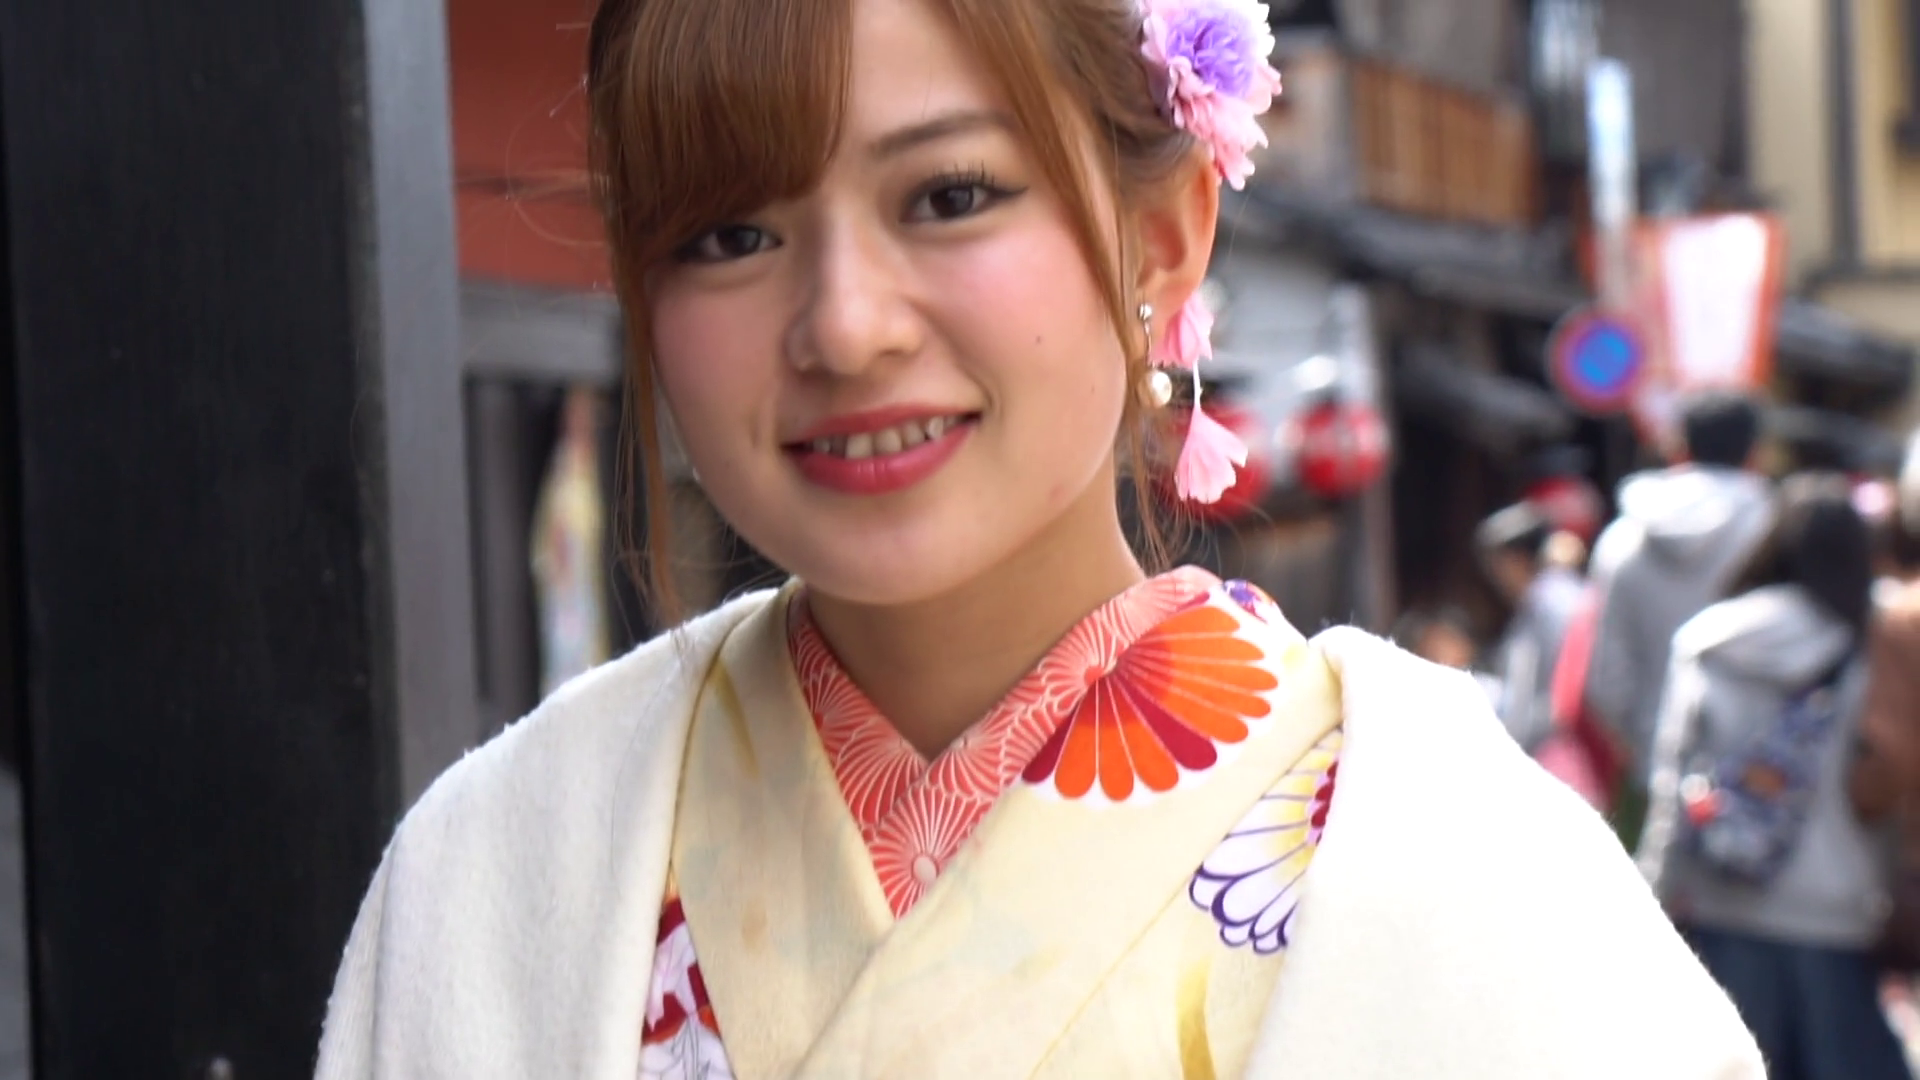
(913, 813)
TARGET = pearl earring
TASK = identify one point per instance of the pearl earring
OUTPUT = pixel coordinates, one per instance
(1156, 386)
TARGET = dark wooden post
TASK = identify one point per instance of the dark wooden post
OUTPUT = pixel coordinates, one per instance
(242, 531)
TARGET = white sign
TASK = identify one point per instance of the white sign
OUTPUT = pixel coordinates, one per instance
(1718, 274)
(1612, 173)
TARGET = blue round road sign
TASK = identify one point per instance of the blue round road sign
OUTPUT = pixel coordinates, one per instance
(1596, 361)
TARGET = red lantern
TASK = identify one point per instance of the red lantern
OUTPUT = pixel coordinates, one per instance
(1342, 448)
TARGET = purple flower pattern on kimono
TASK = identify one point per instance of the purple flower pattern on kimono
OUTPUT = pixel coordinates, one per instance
(1251, 883)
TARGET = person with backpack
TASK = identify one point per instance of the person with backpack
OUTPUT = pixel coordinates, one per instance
(1681, 533)
(1753, 843)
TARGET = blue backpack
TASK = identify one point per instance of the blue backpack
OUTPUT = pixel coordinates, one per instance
(1743, 815)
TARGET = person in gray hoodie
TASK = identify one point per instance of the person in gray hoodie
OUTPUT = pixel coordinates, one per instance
(1792, 949)
(1680, 535)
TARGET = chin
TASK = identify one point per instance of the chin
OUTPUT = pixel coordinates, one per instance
(899, 564)
(894, 578)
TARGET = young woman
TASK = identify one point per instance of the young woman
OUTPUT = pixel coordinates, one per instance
(975, 796)
(1777, 673)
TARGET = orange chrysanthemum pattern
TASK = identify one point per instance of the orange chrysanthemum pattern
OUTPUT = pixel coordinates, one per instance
(1186, 689)
(915, 814)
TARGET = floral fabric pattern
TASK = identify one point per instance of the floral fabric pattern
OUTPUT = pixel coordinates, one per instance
(1162, 712)
(1149, 690)
(915, 814)
(681, 1039)
(1250, 885)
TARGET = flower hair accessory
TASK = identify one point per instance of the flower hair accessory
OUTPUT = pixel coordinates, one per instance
(1209, 60)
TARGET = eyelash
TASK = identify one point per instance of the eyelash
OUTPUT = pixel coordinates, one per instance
(975, 176)
(972, 176)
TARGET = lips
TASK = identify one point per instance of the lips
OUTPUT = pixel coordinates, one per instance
(882, 452)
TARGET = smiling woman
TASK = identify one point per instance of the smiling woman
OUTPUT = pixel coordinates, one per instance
(933, 120)
(974, 795)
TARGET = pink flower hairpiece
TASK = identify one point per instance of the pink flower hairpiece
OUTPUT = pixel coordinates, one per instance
(1211, 56)
(1209, 59)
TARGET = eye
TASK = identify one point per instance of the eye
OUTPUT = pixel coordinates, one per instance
(726, 243)
(956, 196)
(955, 200)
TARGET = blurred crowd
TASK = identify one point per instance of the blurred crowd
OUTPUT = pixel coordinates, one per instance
(1731, 675)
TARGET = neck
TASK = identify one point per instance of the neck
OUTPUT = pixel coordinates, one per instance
(935, 667)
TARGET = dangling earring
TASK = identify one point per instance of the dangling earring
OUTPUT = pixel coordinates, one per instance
(1156, 386)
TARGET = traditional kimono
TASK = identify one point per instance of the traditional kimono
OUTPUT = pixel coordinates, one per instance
(1187, 844)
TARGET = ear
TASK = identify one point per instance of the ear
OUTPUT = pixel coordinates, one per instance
(1176, 220)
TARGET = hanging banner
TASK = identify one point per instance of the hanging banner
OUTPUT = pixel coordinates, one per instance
(1717, 280)
(1710, 291)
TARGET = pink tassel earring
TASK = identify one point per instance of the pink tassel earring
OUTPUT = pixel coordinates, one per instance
(1210, 453)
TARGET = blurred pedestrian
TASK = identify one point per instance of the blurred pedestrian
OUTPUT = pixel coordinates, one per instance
(1545, 596)
(1890, 775)
(1445, 636)
(1681, 533)
(1566, 551)
(1752, 840)
(1591, 759)
(1886, 780)
(1442, 636)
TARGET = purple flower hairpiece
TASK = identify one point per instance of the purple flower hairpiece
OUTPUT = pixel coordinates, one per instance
(1211, 56)
(1210, 62)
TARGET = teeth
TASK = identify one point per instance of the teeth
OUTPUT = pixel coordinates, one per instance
(883, 443)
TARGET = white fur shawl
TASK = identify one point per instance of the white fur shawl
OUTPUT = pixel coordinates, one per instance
(1465, 918)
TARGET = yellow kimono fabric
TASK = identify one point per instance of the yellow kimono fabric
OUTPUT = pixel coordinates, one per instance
(1060, 942)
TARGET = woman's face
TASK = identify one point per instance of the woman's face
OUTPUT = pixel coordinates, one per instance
(894, 382)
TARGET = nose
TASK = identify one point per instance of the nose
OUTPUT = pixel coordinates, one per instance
(858, 312)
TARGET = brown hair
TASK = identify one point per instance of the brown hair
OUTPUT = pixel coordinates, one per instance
(708, 110)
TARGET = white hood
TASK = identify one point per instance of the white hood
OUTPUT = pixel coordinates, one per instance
(1776, 635)
(1688, 515)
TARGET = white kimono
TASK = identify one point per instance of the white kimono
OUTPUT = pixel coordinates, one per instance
(1464, 916)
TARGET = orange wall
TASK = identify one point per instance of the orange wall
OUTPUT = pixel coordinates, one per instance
(519, 142)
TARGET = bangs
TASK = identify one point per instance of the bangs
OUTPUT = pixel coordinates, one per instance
(712, 109)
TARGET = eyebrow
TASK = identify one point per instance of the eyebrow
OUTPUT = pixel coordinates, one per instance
(945, 126)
